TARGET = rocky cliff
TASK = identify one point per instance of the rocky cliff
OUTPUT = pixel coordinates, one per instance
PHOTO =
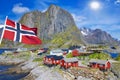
(55, 26)
(98, 36)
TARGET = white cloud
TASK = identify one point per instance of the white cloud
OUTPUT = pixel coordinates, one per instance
(18, 9)
(44, 10)
(83, 21)
(106, 27)
(117, 2)
(78, 18)
(114, 27)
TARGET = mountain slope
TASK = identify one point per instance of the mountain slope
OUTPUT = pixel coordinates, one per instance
(98, 36)
(55, 26)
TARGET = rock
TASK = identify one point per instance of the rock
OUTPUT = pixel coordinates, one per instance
(111, 76)
(6, 60)
(53, 22)
(98, 36)
(83, 78)
(90, 74)
(39, 70)
(115, 68)
(50, 75)
(29, 65)
(44, 73)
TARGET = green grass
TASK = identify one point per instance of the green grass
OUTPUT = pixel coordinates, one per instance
(38, 60)
(99, 56)
(71, 34)
(69, 55)
(118, 58)
(83, 62)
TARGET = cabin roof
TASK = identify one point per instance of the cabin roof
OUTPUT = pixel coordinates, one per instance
(55, 57)
(50, 56)
(70, 59)
(98, 61)
(57, 51)
(58, 57)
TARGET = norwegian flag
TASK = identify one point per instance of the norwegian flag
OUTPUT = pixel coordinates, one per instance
(20, 33)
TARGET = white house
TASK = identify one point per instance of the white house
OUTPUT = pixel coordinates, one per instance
(21, 49)
(57, 52)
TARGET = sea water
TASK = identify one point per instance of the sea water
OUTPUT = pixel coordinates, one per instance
(10, 76)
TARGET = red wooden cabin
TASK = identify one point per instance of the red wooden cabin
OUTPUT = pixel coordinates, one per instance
(57, 60)
(77, 52)
(52, 60)
(43, 50)
(101, 64)
(69, 62)
(48, 60)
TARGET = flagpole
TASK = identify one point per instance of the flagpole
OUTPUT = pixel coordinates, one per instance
(3, 30)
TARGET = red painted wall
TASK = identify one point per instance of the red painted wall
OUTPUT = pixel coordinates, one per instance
(75, 53)
(101, 66)
(68, 64)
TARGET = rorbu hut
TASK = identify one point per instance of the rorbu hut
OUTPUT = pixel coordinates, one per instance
(69, 62)
(100, 64)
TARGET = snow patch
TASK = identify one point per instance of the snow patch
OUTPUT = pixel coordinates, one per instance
(84, 33)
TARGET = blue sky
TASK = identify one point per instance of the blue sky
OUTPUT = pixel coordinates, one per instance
(105, 17)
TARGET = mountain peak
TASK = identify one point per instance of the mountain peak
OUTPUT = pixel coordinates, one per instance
(97, 36)
(53, 23)
(85, 31)
(54, 6)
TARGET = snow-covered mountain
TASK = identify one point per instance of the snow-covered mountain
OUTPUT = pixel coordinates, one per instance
(97, 36)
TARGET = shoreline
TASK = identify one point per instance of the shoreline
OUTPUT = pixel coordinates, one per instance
(16, 64)
(5, 60)
(34, 69)
(37, 71)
